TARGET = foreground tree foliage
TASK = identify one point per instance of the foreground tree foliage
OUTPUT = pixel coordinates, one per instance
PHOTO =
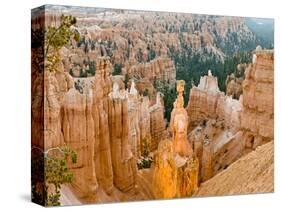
(50, 168)
(145, 161)
(50, 171)
(49, 41)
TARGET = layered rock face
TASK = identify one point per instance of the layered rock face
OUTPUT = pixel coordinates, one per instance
(216, 138)
(176, 168)
(107, 127)
(258, 98)
(225, 128)
(124, 164)
(90, 124)
(113, 124)
(147, 123)
(75, 109)
(203, 100)
(234, 86)
(91, 135)
(162, 69)
(234, 81)
(60, 126)
(48, 90)
(157, 123)
(139, 119)
(208, 102)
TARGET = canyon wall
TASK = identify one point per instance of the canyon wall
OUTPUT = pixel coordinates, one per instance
(147, 123)
(106, 126)
(82, 122)
(157, 123)
(206, 101)
(222, 128)
(258, 99)
(123, 161)
(215, 122)
(234, 86)
(203, 100)
(162, 69)
(235, 80)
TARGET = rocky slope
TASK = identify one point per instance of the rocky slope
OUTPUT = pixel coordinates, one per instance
(252, 173)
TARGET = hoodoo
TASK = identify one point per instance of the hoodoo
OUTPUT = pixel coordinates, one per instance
(176, 168)
(179, 124)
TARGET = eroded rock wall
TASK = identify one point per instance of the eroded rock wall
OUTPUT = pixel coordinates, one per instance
(123, 161)
(162, 69)
(90, 124)
(157, 123)
(206, 101)
(223, 128)
(104, 123)
(215, 132)
(258, 98)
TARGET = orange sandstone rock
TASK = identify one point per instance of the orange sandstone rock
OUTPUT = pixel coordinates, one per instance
(174, 176)
(179, 124)
(258, 96)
